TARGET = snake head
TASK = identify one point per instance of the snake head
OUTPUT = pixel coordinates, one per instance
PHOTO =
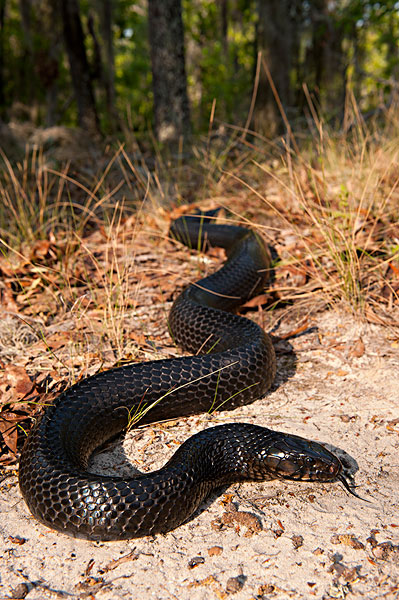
(293, 457)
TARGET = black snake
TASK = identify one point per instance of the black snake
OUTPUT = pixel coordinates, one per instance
(232, 364)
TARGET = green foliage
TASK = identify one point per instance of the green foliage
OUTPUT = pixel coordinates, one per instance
(220, 40)
(219, 68)
(133, 66)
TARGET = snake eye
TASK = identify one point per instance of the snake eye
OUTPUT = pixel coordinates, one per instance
(282, 465)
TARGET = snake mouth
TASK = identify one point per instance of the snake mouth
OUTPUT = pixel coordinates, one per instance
(322, 471)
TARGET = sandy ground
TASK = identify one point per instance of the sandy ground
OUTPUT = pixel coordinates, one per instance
(337, 383)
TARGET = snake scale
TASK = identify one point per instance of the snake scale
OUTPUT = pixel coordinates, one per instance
(231, 363)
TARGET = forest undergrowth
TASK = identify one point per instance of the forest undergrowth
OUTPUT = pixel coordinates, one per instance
(88, 271)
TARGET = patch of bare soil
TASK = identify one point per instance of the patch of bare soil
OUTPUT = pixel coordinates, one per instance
(337, 383)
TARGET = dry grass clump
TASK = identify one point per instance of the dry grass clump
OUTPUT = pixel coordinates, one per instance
(332, 213)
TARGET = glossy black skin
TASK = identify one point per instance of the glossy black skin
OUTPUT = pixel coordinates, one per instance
(236, 365)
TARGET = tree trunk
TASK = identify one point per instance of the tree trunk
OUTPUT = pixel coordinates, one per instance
(79, 66)
(47, 56)
(106, 20)
(26, 83)
(2, 93)
(171, 108)
(224, 24)
(274, 41)
(25, 7)
(335, 60)
(104, 59)
(392, 53)
(319, 20)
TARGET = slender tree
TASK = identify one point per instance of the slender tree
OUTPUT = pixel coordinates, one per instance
(25, 81)
(103, 61)
(224, 24)
(105, 11)
(79, 66)
(2, 22)
(275, 43)
(171, 107)
(47, 54)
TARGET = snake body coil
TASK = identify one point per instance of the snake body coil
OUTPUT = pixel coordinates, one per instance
(236, 366)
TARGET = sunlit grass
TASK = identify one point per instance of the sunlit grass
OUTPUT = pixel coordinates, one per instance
(339, 198)
(33, 201)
